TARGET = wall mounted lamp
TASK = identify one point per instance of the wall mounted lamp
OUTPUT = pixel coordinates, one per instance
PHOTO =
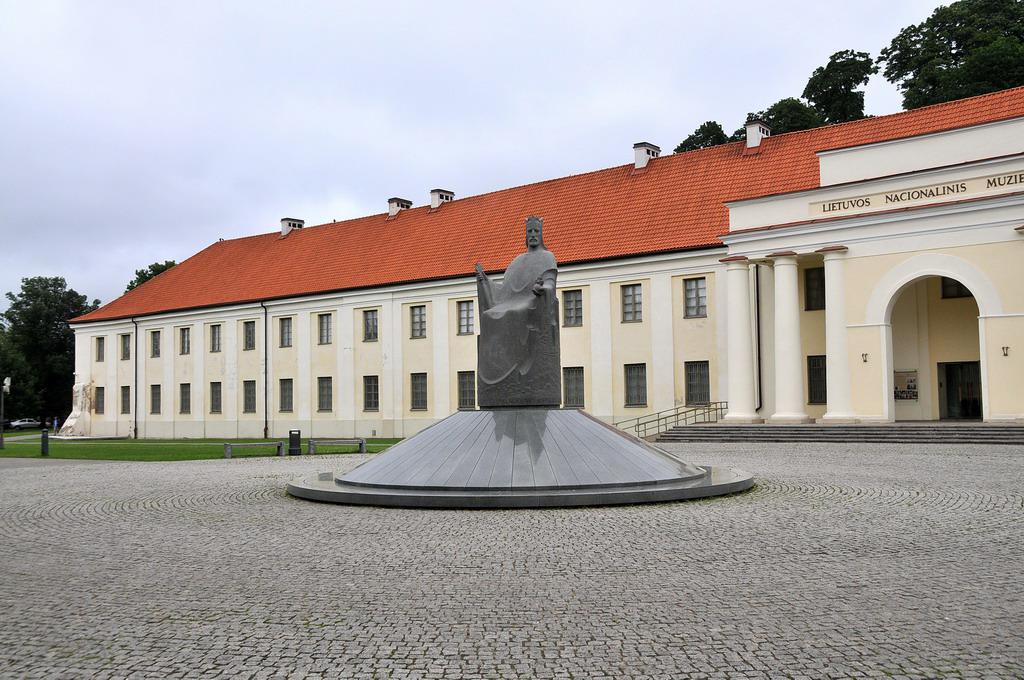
(1006, 351)
(864, 357)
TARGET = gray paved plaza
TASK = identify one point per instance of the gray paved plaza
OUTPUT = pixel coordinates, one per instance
(844, 561)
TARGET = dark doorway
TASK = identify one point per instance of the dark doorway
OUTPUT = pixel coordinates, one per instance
(960, 390)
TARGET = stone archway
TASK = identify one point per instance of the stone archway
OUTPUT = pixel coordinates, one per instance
(909, 274)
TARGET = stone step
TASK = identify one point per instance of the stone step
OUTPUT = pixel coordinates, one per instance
(917, 434)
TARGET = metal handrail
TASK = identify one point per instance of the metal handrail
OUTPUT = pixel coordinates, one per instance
(656, 423)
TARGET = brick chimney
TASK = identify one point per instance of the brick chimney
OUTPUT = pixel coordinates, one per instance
(396, 204)
(643, 152)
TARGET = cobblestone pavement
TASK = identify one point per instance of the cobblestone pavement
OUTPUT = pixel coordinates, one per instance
(844, 561)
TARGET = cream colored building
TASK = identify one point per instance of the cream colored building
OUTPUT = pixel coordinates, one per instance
(871, 271)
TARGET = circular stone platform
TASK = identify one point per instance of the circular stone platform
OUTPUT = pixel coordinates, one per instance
(519, 458)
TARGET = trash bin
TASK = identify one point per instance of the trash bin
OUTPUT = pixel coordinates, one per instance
(294, 442)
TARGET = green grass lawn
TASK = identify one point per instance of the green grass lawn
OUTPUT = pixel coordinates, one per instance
(165, 449)
(20, 433)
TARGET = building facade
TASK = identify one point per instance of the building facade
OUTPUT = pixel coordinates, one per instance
(870, 271)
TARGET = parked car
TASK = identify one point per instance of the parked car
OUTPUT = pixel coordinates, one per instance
(25, 424)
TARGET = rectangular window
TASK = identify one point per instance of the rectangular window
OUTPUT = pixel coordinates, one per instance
(154, 399)
(215, 338)
(466, 317)
(185, 398)
(248, 396)
(248, 335)
(101, 349)
(467, 389)
(126, 347)
(324, 393)
(951, 288)
(126, 399)
(285, 398)
(572, 308)
(284, 331)
(99, 400)
(370, 325)
(185, 340)
(418, 391)
(632, 303)
(636, 384)
(323, 324)
(816, 390)
(154, 344)
(698, 382)
(371, 393)
(215, 397)
(814, 288)
(572, 387)
(418, 321)
(696, 298)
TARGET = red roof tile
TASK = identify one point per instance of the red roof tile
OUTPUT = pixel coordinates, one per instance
(676, 203)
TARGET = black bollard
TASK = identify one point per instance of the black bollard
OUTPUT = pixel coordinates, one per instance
(294, 442)
(44, 443)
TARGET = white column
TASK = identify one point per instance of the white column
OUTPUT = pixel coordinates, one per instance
(789, 375)
(598, 315)
(440, 404)
(741, 344)
(837, 356)
(346, 370)
(662, 343)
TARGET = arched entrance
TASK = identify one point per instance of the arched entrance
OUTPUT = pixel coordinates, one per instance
(936, 358)
(953, 335)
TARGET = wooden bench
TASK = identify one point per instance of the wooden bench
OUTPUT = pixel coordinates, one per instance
(229, 446)
(313, 443)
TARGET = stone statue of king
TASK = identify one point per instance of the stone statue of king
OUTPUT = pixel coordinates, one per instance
(517, 351)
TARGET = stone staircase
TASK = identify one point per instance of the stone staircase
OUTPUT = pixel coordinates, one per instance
(903, 433)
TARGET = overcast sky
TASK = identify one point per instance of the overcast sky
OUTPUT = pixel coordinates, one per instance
(134, 132)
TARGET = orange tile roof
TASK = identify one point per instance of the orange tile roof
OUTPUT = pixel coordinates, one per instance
(676, 203)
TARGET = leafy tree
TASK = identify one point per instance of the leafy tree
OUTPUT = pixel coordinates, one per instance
(785, 115)
(23, 401)
(708, 134)
(967, 48)
(832, 88)
(37, 329)
(143, 275)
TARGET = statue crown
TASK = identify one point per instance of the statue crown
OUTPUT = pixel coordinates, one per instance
(535, 221)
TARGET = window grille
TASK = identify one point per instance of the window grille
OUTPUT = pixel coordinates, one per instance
(101, 349)
(154, 344)
(100, 401)
(215, 397)
(249, 396)
(126, 347)
(215, 338)
(816, 385)
(126, 399)
(572, 387)
(285, 395)
(698, 382)
(154, 399)
(636, 384)
(371, 393)
(418, 391)
(248, 335)
(467, 389)
(185, 398)
(324, 393)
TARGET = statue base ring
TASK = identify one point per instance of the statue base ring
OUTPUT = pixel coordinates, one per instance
(521, 458)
